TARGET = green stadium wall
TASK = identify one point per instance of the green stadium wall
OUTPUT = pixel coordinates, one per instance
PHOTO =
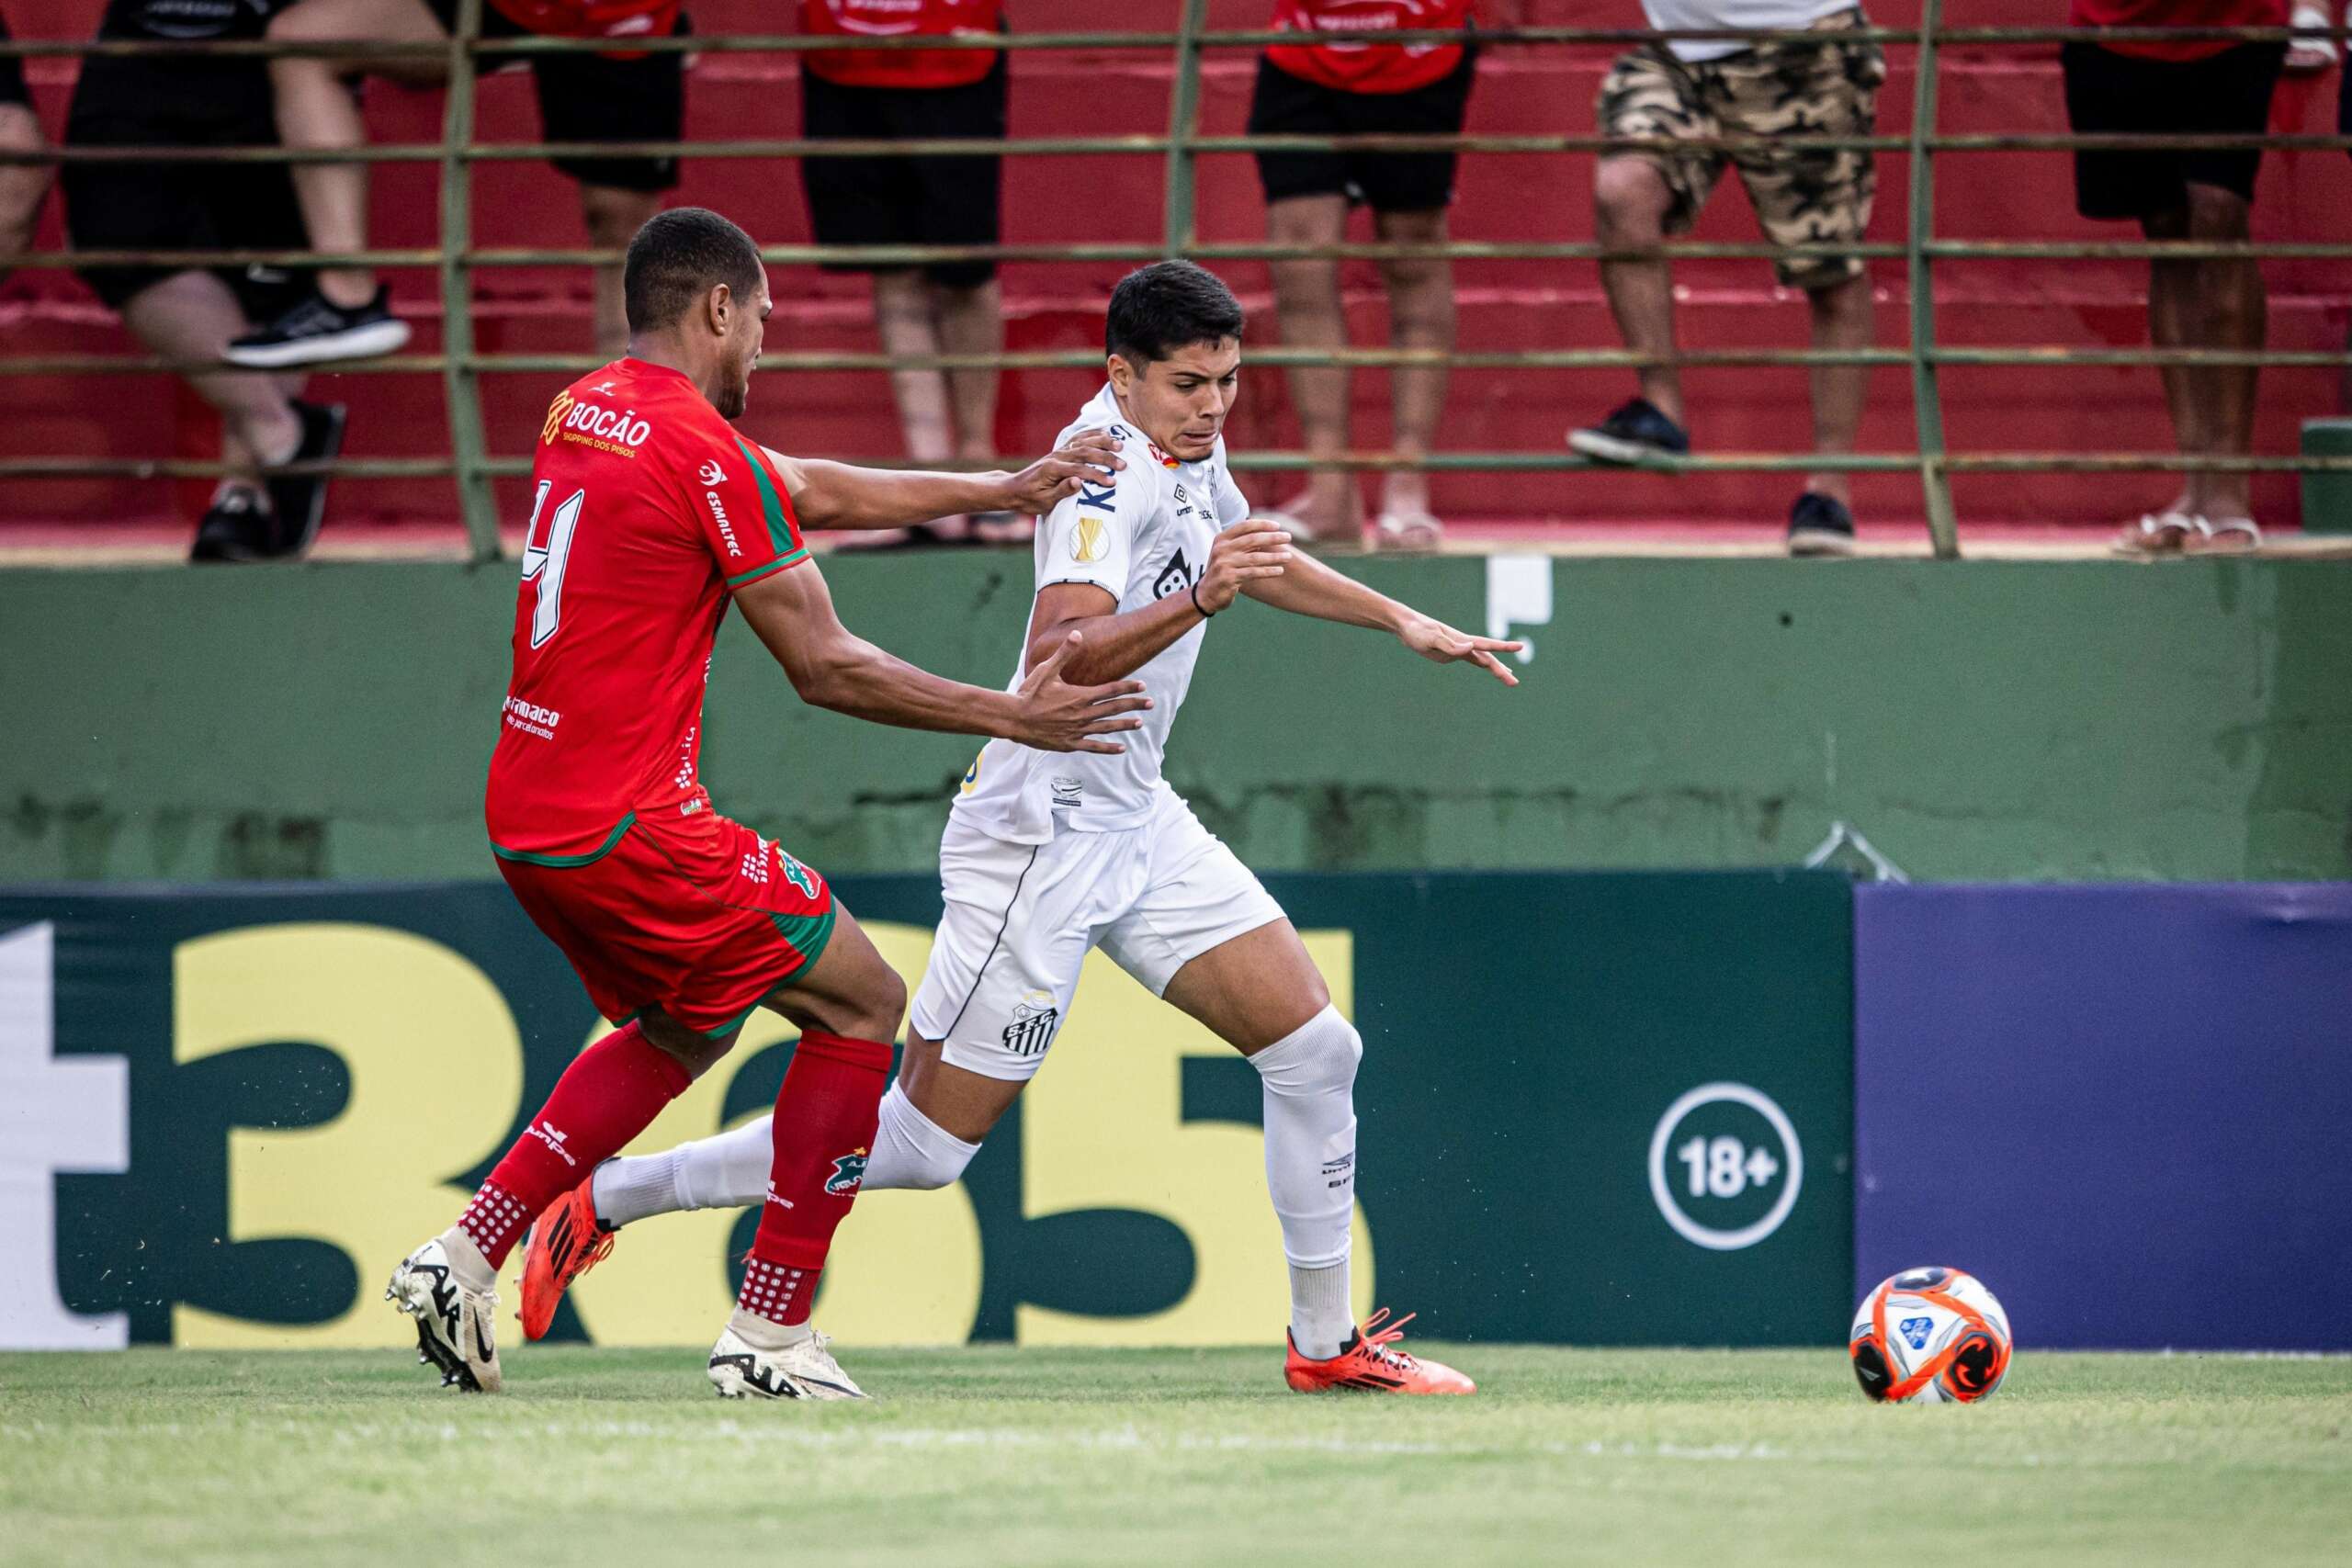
(1987, 720)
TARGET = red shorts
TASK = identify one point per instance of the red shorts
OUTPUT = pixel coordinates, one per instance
(697, 916)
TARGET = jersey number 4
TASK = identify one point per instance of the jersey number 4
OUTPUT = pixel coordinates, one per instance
(543, 560)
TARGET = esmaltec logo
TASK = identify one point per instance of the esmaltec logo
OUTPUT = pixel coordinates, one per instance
(719, 514)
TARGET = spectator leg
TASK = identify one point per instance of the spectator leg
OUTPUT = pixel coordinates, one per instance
(1630, 203)
(2232, 311)
(903, 316)
(1308, 309)
(611, 217)
(1841, 320)
(22, 186)
(192, 316)
(971, 320)
(1421, 315)
(2173, 323)
(316, 110)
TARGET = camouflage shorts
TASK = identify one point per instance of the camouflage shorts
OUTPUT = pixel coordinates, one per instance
(1797, 87)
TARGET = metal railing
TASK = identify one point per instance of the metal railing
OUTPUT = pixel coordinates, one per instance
(456, 258)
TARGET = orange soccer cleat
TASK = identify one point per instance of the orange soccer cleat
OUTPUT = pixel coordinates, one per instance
(563, 1243)
(1368, 1362)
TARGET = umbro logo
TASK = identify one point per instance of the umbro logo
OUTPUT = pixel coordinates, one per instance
(712, 474)
(607, 387)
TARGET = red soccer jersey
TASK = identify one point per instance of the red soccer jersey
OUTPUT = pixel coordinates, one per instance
(2176, 14)
(1356, 67)
(646, 511)
(896, 18)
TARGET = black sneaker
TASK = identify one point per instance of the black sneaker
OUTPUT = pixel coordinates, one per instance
(239, 526)
(316, 330)
(1634, 434)
(298, 501)
(1820, 526)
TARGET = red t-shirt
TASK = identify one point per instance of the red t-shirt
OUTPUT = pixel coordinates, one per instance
(896, 18)
(647, 512)
(1356, 67)
(2176, 14)
(592, 18)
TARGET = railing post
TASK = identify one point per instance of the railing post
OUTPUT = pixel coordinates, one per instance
(1184, 117)
(468, 449)
(1926, 402)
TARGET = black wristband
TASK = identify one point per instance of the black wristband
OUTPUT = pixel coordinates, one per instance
(1196, 592)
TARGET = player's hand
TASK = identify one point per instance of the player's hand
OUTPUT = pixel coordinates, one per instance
(1058, 716)
(1440, 644)
(1092, 457)
(1241, 554)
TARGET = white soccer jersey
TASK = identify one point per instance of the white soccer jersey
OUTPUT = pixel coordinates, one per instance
(1792, 14)
(1142, 536)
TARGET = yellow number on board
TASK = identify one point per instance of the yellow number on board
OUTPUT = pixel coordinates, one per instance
(436, 1068)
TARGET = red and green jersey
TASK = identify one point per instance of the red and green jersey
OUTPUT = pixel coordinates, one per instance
(647, 512)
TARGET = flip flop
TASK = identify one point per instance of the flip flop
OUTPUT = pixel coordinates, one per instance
(2307, 56)
(1409, 530)
(2228, 537)
(2158, 533)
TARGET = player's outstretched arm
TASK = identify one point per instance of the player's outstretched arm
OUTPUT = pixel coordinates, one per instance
(1310, 588)
(843, 496)
(830, 667)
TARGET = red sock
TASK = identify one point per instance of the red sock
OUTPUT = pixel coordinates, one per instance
(825, 1117)
(611, 1092)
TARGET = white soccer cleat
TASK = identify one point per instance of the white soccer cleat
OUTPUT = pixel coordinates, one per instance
(802, 1370)
(453, 1323)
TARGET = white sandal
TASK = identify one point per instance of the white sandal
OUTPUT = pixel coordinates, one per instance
(2229, 537)
(2159, 534)
(1413, 530)
(2309, 56)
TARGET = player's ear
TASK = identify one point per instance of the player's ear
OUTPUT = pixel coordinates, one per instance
(719, 307)
(1122, 375)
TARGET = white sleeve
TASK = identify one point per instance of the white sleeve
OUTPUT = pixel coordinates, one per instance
(1090, 536)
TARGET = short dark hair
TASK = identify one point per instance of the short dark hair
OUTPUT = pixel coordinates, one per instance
(678, 258)
(1160, 307)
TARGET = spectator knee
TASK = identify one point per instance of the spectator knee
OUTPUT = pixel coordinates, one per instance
(1630, 200)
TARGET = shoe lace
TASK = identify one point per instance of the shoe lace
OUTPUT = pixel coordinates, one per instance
(1377, 1334)
(596, 1252)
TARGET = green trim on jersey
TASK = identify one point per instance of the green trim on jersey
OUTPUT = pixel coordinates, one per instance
(768, 569)
(562, 862)
(771, 504)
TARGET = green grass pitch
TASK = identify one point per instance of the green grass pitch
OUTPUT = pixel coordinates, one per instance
(1040, 1457)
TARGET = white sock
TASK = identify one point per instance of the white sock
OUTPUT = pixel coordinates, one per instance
(728, 1170)
(472, 1271)
(910, 1150)
(1320, 1320)
(634, 1188)
(1309, 1080)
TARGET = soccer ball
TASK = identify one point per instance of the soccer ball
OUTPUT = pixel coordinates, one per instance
(1929, 1337)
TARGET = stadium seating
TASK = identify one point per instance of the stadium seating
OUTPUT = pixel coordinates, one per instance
(1506, 305)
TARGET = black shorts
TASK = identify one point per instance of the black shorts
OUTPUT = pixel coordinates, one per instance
(113, 207)
(12, 73)
(2111, 94)
(912, 201)
(1284, 105)
(593, 97)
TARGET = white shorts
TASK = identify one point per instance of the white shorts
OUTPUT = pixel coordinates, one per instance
(1021, 919)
